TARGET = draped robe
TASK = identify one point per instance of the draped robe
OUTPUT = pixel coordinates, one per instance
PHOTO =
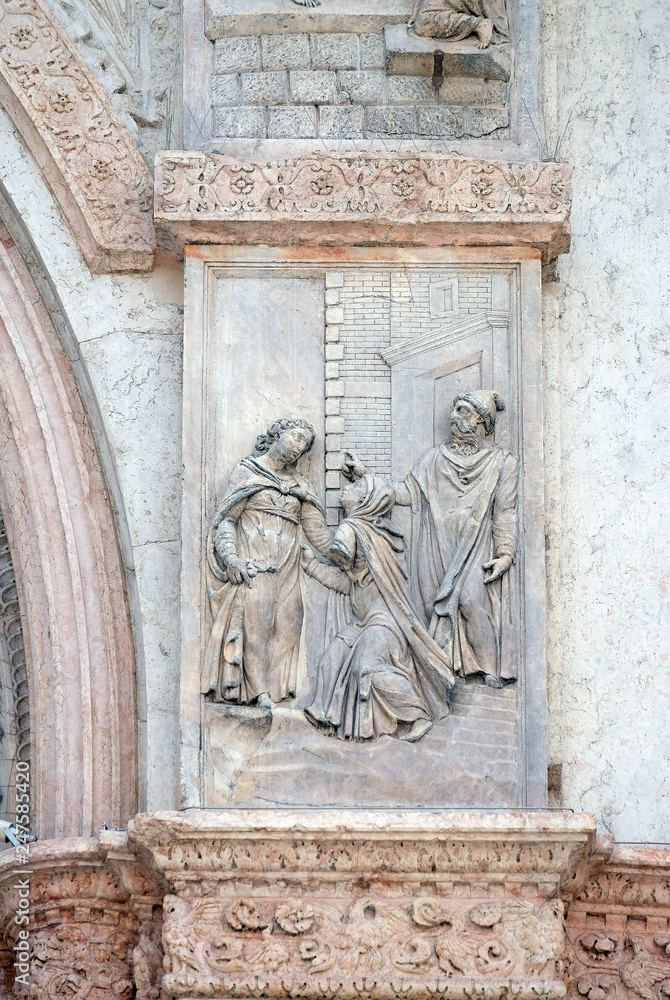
(382, 668)
(463, 515)
(254, 642)
(456, 19)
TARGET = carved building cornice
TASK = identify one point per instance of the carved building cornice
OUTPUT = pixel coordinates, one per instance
(86, 154)
(367, 905)
(319, 199)
(370, 903)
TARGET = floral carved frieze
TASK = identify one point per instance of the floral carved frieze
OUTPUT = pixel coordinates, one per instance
(490, 201)
(369, 904)
(367, 947)
(88, 157)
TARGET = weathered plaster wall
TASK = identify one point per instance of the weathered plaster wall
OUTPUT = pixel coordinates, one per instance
(606, 83)
(127, 331)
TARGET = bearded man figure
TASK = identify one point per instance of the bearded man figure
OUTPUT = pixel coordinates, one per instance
(463, 497)
(456, 19)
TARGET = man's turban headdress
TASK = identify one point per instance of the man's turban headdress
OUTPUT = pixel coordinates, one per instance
(486, 402)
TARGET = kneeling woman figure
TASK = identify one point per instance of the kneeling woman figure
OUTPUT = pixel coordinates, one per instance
(382, 673)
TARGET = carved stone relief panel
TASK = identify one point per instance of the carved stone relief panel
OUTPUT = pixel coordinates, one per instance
(363, 589)
(327, 73)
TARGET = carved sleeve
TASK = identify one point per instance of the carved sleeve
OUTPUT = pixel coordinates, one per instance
(505, 526)
(403, 496)
(330, 576)
(317, 531)
(225, 534)
(343, 546)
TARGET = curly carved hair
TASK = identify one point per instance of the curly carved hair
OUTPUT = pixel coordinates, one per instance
(265, 441)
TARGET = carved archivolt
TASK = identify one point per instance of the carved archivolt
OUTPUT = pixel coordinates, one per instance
(10, 618)
(69, 574)
(199, 194)
(87, 155)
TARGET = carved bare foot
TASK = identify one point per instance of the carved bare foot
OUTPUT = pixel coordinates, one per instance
(419, 729)
(308, 3)
(493, 682)
(264, 700)
(484, 32)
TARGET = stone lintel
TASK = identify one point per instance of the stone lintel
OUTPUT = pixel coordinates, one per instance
(225, 18)
(433, 845)
(374, 199)
(407, 55)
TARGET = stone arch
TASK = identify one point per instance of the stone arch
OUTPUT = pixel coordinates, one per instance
(86, 154)
(69, 573)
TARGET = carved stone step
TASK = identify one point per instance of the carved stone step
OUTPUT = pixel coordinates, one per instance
(407, 55)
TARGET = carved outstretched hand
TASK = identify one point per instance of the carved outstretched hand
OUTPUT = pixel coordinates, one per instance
(307, 557)
(498, 568)
(352, 467)
(240, 570)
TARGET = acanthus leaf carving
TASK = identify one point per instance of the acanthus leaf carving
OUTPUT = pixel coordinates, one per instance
(210, 190)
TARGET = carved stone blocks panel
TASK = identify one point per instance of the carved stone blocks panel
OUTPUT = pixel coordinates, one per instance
(319, 667)
(318, 74)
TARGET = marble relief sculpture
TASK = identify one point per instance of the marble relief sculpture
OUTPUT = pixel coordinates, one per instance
(382, 672)
(456, 19)
(463, 498)
(253, 551)
(403, 630)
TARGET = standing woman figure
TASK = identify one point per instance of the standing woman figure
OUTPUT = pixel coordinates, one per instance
(253, 552)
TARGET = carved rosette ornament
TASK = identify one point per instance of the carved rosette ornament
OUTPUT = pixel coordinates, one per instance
(88, 157)
(197, 195)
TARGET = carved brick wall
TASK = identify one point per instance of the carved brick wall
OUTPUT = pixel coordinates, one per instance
(345, 86)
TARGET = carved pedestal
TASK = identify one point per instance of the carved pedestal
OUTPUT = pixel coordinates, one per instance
(375, 904)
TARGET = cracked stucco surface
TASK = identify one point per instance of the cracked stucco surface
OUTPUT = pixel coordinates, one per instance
(607, 359)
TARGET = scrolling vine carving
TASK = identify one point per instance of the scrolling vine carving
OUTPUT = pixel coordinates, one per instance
(88, 156)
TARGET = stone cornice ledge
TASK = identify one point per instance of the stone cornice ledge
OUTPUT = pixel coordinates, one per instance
(87, 155)
(369, 198)
(531, 846)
